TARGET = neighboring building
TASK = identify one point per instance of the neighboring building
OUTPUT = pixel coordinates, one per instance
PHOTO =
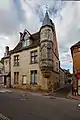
(62, 78)
(70, 78)
(65, 77)
(1, 73)
(34, 62)
(75, 51)
(7, 67)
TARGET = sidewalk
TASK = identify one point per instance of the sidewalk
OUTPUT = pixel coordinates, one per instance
(36, 93)
(74, 97)
(70, 96)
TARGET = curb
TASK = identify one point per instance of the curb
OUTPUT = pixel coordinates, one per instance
(70, 96)
(75, 98)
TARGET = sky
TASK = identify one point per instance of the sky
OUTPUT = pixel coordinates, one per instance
(16, 15)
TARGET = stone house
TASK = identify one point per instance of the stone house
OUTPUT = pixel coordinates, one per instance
(67, 75)
(34, 62)
(7, 67)
(1, 73)
(61, 77)
(64, 77)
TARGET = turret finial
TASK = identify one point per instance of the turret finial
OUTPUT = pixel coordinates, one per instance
(46, 7)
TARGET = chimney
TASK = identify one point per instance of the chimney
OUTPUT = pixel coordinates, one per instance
(21, 36)
(6, 50)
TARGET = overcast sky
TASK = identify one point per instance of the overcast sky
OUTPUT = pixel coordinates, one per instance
(16, 15)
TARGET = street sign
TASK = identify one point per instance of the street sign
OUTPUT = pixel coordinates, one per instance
(78, 75)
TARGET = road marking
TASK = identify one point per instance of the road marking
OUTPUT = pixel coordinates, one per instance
(24, 99)
(2, 117)
(5, 90)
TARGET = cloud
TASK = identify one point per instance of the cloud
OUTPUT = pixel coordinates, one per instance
(19, 14)
(8, 19)
(68, 30)
(9, 24)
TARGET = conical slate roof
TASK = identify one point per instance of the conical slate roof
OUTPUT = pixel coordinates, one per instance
(47, 20)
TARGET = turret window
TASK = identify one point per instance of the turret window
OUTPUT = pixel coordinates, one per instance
(46, 34)
(49, 53)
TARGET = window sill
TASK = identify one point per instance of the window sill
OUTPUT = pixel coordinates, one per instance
(23, 84)
(33, 84)
(34, 63)
(15, 65)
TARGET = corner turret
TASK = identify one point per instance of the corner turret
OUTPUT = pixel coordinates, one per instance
(46, 46)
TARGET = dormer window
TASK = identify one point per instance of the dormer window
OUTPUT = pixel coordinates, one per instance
(25, 42)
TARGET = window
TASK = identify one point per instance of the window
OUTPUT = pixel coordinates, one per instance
(49, 34)
(16, 60)
(46, 34)
(6, 62)
(24, 79)
(28, 42)
(25, 42)
(44, 53)
(16, 77)
(49, 52)
(34, 56)
(34, 77)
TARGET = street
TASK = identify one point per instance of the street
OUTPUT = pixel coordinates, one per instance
(20, 105)
(63, 92)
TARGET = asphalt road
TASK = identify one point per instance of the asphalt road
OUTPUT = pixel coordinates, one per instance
(63, 92)
(17, 106)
